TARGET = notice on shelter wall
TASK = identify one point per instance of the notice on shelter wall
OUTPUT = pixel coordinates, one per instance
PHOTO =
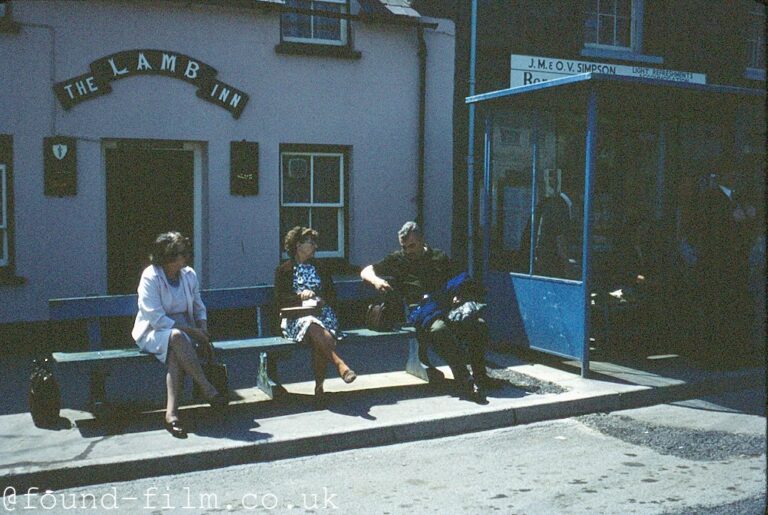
(528, 69)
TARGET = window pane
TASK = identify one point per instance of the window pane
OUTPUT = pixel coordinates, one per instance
(290, 217)
(327, 28)
(297, 25)
(622, 32)
(624, 8)
(607, 6)
(327, 179)
(590, 29)
(326, 222)
(296, 179)
(605, 30)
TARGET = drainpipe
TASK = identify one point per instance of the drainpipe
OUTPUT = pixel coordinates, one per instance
(471, 145)
(422, 116)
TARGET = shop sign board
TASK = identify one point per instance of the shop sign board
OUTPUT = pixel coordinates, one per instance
(130, 63)
(529, 69)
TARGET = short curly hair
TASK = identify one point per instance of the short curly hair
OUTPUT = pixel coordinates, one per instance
(294, 236)
(168, 246)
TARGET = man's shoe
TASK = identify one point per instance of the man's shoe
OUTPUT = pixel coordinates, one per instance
(473, 393)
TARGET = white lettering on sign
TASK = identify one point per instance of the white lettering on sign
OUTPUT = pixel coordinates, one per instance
(168, 63)
(143, 64)
(91, 84)
(192, 68)
(235, 100)
(115, 71)
(527, 69)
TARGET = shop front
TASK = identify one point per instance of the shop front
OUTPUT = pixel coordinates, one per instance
(590, 206)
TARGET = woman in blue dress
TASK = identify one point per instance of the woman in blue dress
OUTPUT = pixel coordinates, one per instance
(302, 280)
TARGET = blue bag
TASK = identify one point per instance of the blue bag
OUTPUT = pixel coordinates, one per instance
(422, 315)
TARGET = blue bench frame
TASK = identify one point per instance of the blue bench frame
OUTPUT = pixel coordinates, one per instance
(99, 360)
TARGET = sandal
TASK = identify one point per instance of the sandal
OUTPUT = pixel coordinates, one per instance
(349, 376)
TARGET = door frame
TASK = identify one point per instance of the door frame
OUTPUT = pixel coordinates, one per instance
(196, 148)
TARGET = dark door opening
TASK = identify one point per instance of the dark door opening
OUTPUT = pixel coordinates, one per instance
(149, 190)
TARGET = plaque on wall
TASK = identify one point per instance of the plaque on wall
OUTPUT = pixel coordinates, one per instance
(244, 168)
(60, 166)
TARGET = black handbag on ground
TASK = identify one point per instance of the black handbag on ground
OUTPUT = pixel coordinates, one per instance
(44, 395)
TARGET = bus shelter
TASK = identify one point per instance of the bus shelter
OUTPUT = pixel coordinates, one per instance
(589, 198)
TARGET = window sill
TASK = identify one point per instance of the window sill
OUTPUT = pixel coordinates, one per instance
(317, 50)
(623, 55)
(755, 74)
(11, 280)
(9, 26)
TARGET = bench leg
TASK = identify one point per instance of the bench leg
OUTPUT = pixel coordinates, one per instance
(418, 363)
(267, 380)
(98, 390)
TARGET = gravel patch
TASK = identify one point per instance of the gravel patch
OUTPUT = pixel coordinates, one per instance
(690, 444)
(751, 506)
(521, 381)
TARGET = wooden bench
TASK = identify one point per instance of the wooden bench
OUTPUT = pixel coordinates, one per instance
(98, 362)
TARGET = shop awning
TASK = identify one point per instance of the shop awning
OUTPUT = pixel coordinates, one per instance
(579, 81)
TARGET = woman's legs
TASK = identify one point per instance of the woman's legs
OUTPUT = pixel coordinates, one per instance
(184, 354)
(318, 364)
(324, 347)
(174, 381)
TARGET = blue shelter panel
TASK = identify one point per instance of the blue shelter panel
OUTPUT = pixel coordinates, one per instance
(543, 314)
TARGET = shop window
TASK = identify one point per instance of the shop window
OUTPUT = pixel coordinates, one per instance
(313, 194)
(756, 42)
(305, 25)
(546, 217)
(613, 24)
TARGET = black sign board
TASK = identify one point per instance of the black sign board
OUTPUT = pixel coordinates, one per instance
(243, 168)
(130, 63)
(60, 165)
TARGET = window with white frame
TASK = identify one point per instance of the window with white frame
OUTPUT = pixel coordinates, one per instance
(756, 37)
(312, 194)
(306, 25)
(3, 216)
(613, 24)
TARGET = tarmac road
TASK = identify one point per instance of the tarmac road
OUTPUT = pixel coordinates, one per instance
(700, 456)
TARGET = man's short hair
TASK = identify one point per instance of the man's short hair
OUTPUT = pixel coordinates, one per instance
(407, 229)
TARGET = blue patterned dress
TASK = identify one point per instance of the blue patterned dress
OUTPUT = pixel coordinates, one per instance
(305, 277)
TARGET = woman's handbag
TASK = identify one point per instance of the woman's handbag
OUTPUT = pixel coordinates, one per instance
(44, 395)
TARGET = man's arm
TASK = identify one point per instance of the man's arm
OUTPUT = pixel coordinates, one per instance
(368, 274)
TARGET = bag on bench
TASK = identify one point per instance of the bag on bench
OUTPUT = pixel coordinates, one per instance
(44, 395)
(385, 315)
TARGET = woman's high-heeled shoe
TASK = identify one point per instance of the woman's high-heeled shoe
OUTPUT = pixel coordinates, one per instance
(176, 429)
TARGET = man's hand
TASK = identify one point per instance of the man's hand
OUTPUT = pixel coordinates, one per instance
(382, 285)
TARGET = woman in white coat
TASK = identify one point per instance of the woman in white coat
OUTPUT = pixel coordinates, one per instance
(172, 320)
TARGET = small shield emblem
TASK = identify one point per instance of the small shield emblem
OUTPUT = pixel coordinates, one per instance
(60, 151)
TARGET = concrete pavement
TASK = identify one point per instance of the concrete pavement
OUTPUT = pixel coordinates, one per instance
(378, 409)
